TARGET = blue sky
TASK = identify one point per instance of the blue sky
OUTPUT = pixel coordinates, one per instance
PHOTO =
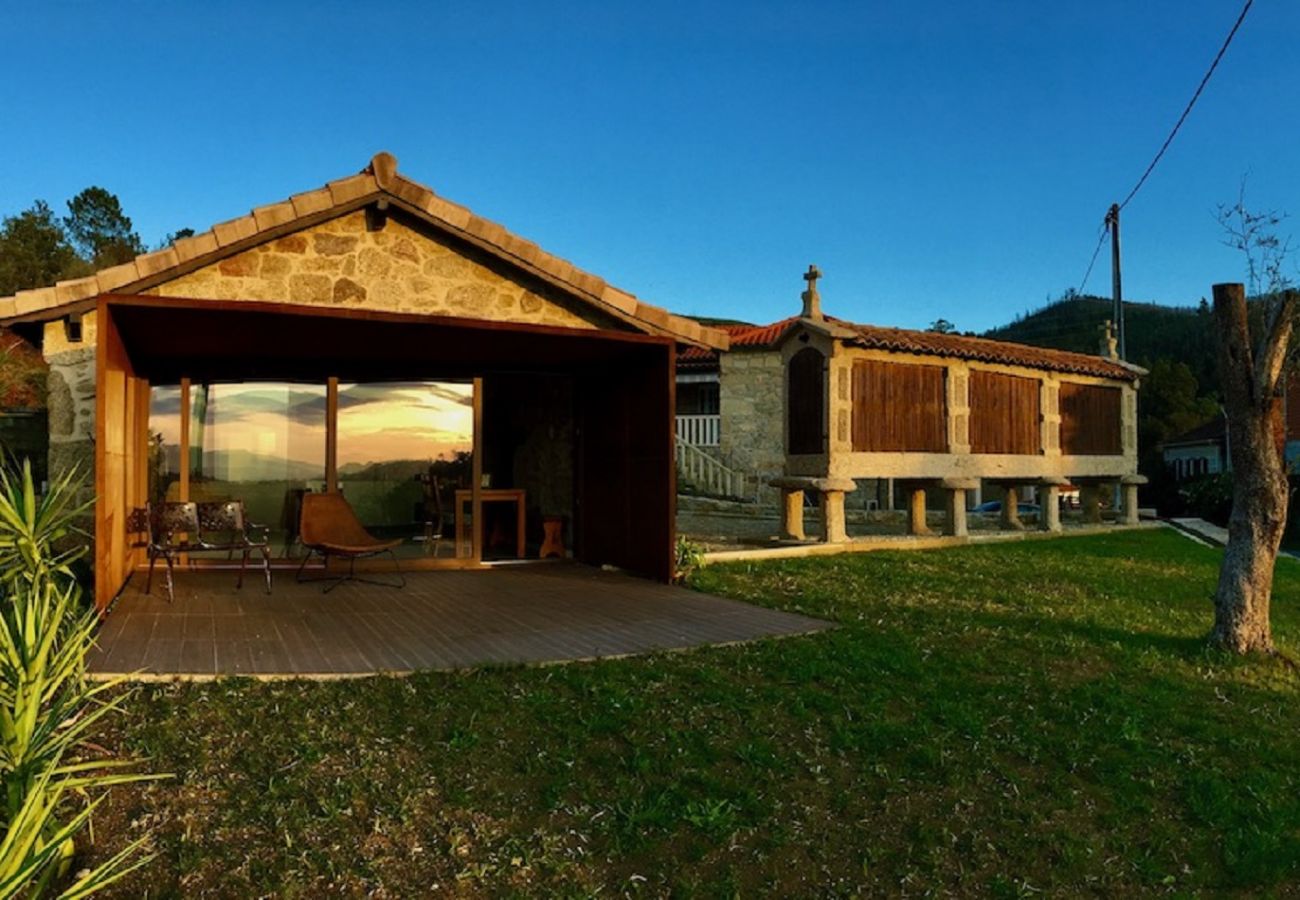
(941, 159)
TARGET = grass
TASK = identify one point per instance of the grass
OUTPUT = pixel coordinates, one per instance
(998, 719)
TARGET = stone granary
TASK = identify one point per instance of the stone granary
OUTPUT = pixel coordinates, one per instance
(372, 338)
(815, 404)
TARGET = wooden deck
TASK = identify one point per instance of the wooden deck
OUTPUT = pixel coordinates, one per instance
(440, 620)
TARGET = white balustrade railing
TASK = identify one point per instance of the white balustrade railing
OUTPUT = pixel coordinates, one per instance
(710, 476)
(701, 431)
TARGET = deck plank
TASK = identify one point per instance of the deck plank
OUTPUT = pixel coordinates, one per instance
(442, 620)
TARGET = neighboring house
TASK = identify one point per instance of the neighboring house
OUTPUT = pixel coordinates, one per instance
(1201, 451)
(372, 335)
(827, 404)
(1205, 450)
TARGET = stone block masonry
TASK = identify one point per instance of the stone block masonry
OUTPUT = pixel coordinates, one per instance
(752, 407)
(340, 263)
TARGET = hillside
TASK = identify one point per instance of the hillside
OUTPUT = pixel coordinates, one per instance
(1179, 333)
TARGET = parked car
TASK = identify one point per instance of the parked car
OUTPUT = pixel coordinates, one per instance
(994, 507)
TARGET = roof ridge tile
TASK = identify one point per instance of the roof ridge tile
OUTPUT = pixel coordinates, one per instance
(379, 177)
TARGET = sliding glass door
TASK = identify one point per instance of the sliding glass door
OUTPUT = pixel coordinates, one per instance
(260, 442)
(402, 453)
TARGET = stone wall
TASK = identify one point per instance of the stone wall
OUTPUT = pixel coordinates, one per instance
(339, 263)
(752, 406)
(71, 400)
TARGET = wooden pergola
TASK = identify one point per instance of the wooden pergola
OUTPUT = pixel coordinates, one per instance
(623, 466)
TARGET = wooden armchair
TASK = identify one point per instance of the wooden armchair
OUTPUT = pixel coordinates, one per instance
(330, 528)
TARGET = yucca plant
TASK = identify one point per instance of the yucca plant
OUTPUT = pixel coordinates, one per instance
(48, 707)
(39, 532)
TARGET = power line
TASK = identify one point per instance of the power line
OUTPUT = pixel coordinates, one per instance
(1181, 119)
(1200, 88)
(1101, 239)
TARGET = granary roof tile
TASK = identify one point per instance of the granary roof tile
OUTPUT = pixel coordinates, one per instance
(379, 180)
(925, 343)
(960, 346)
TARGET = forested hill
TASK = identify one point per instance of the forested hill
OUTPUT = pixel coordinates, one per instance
(1178, 333)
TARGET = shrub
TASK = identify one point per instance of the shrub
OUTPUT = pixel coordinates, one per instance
(689, 556)
(1210, 498)
(47, 705)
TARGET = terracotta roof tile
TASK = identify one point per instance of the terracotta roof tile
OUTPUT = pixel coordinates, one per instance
(619, 299)
(151, 263)
(309, 202)
(196, 246)
(412, 192)
(354, 187)
(984, 350)
(77, 289)
(234, 231)
(31, 301)
(929, 343)
(274, 214)
(114, 278)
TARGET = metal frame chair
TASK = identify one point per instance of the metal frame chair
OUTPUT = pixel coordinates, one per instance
(161, 523)
(229, 518)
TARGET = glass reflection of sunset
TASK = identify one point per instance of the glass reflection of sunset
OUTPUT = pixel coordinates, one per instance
(379, 423)
(376, 422)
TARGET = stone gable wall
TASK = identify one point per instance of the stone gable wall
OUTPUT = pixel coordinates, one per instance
(751, 388)
(339, 263)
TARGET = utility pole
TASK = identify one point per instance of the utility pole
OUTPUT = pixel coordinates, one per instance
(1116, 282)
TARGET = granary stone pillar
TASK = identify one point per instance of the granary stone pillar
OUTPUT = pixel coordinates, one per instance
(1049, 500)
(1090, 496)
(1011, 509)
(831, 492)
(792, 515)
(955, 504)
(833, 526)
(916, 524)
(1129, 488)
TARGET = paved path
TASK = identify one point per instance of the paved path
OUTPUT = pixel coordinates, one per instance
(1206, 531)
(441, 620)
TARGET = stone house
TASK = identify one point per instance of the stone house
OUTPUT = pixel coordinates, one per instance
(374, 338)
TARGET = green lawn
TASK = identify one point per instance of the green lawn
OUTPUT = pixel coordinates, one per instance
(1006, 719)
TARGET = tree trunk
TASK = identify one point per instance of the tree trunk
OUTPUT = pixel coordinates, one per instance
(1253, 405)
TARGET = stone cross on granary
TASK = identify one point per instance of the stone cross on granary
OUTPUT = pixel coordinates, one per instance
(812, 301)
(1108, 348)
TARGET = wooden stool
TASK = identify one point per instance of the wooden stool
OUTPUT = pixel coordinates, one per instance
(552, 537)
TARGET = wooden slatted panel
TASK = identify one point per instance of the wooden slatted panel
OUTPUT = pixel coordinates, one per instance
(807, 402)
(1090, 420)
(1004, 414)
(899, 407)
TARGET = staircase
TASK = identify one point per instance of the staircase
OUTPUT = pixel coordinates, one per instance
(702, 472)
